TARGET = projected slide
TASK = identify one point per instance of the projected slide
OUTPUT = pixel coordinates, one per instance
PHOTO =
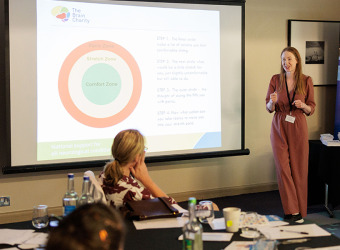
(100, 71)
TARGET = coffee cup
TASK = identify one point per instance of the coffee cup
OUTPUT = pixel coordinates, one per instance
(232, 218)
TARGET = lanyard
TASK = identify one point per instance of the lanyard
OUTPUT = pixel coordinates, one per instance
(290, 101)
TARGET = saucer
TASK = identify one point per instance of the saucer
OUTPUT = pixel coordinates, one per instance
(250, 236)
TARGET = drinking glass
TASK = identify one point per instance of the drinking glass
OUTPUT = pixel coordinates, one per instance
(249, 222)
(40, 216)
(205, 211)
(262, 243)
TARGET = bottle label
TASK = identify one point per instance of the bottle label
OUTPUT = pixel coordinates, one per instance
(68, 209)
(187, 244)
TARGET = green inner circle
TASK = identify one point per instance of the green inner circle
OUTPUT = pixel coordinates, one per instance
(101, 84)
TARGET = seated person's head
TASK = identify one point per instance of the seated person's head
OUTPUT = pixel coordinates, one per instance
(127, 145)
(91, 226)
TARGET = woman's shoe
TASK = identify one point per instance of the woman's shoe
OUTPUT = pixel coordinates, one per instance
(287, 217)
(297, 218)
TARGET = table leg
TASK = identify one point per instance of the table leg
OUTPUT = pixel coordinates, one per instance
(331, 214)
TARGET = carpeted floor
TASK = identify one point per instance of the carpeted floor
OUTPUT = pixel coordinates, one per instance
(323, 218)
(263, 203)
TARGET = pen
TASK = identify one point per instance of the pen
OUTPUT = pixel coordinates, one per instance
(294, 241)
(290, 231)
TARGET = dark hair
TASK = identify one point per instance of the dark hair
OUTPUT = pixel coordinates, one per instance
(90, 227)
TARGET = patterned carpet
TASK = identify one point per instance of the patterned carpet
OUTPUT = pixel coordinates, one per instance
(322, 219)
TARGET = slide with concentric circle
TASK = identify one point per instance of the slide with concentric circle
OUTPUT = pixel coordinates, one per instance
(100, 83)
(99, 71)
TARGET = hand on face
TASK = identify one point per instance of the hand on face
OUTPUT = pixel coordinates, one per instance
(139, 169)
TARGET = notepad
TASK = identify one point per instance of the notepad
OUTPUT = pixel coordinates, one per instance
(291, 232)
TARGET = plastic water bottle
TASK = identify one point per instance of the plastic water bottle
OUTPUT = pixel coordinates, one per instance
(192, 230)
(86, 197)
(70, 198)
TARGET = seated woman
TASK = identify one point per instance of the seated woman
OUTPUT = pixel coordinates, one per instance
(126, 178)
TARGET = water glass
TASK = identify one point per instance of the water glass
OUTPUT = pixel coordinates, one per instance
(249, 222)
(205, 211)
(265, 244)
(40, 216)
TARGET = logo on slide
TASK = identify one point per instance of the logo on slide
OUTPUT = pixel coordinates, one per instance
(61, 13)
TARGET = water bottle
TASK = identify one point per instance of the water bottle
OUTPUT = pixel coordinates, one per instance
(86, 197)
(70, 198)
(192, 230)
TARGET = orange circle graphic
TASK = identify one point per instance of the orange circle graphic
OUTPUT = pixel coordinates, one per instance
(63, 83)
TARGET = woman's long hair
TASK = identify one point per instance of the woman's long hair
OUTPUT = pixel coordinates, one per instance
(300, 88)
(126, 146)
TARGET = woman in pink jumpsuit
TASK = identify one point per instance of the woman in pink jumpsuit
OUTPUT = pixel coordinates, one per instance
(291, 95)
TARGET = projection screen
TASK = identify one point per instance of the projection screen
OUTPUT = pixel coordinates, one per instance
(81, 71)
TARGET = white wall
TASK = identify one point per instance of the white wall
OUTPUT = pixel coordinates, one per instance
(266, 36)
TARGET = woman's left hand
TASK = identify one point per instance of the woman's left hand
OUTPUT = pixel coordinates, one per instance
(299, 104)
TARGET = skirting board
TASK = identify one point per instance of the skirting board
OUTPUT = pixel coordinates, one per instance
(25, 215)
(200, 194)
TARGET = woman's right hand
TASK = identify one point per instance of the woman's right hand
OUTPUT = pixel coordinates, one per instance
(273, 97)
(272, 102)
(139, 170)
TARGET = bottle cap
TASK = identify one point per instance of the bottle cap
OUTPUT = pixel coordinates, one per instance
(70, 175)
(86, 178)
(192, 200)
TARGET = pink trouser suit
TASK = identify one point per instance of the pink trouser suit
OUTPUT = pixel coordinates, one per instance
(290, 146)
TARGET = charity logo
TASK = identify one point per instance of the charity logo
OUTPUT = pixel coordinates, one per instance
(61, 13)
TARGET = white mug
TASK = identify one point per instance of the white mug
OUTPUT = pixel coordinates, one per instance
(232, 218)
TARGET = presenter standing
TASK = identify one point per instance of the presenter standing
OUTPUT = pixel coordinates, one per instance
(291, 95)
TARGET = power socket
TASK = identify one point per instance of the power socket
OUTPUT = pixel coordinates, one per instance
(5, 201)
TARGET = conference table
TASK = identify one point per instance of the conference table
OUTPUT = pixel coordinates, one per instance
(167, 239)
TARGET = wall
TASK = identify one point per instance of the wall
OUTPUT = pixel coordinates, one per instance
(266, 35)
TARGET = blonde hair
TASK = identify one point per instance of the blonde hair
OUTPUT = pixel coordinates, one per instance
(126, 146)
(300, 88)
